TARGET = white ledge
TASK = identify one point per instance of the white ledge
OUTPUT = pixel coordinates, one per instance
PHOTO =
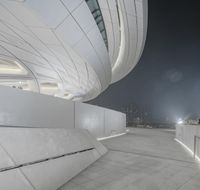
(111, 136)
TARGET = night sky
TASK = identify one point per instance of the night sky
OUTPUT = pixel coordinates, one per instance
(167, 77)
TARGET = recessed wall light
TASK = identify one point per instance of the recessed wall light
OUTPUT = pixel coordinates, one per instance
(20, 1)
(49, 86)
(11, 67)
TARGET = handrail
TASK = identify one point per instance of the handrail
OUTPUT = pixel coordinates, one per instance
(195, 144)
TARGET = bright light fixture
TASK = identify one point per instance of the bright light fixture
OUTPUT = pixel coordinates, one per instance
(180, 121)
(49, 86)
(20, 1)
(10, 67)
(67, 96)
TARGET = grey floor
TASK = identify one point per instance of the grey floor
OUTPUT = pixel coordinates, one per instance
(144, 159)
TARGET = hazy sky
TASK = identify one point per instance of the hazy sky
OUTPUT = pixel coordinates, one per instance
(168, 75)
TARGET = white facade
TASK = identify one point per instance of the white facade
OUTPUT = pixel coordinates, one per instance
(55, 47)
(31, 110)
(72, 49)
(45, 141)
(188, 136)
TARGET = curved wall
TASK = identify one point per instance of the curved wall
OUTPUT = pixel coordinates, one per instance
(185, 134)
(126, 23)
(65, 48)
(64, 53)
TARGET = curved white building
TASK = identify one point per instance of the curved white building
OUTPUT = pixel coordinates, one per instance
(72, 49)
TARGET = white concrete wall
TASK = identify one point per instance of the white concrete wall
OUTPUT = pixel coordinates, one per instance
(186, 133)
(65, 48)
(91, 118)
(26, 109)
(115, 122)
(44, 159)
(42, 138)
(101, 122)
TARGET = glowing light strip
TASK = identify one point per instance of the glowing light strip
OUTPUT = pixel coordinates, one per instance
(10, 69)
(188, 149)
(121, 52)
(111, 136)
(13, 68)
(170, 130)
(49, 87)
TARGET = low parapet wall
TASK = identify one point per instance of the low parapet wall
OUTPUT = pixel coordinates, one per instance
(45, 141)
(189, 136)
(26, 109)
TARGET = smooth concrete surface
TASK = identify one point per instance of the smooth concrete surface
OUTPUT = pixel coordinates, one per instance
(26, 109)
(19, 182)
(66, 48)
(143, 159)
(99, 121)
(91, 118)
(115, 122)
(44, 158)
(30, 144)
(186, 134)
(54, 173)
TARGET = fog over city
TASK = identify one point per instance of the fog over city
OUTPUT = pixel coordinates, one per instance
(167, 78)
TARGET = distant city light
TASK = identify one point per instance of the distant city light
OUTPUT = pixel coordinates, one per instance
(180, 121)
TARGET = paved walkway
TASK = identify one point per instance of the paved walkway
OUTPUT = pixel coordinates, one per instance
(144, 159)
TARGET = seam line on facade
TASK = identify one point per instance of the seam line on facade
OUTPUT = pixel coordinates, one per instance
(44, 160)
